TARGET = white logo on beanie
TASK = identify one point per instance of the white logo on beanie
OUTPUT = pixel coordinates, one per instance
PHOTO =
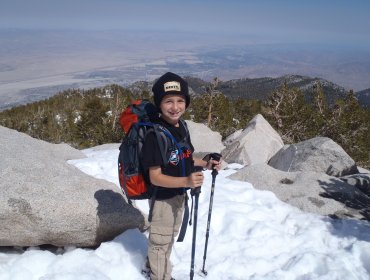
(172, 86)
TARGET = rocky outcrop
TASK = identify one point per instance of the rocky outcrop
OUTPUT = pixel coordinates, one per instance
(204, 139)
(320, 154)
(315, 175)
(257, 143)
(45, 200)
(309, 191)
(360, 181)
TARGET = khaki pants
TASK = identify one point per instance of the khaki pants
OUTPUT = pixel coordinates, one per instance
(165, 225)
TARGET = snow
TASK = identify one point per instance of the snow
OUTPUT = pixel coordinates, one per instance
(253, 235)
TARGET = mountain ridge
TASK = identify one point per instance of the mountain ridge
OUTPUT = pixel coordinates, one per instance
(363, 97)
(245, 88)
(261, 88)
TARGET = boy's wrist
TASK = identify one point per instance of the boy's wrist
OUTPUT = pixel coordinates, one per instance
(206, 165)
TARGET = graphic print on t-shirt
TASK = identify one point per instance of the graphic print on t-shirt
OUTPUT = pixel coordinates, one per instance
(175, 156)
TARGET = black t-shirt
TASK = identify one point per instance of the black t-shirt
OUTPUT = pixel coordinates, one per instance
(176, 165)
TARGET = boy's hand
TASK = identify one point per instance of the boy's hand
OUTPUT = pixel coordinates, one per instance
(195, 180)
(214, 164)
(213, 161)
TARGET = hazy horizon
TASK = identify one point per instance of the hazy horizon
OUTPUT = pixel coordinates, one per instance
(46, 46)
(316, 21)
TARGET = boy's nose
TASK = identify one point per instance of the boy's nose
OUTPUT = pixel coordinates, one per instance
(175, 105)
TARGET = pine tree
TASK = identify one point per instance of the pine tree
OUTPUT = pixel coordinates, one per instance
(244, 110)
(92, 126)
(287, 111)
(211, 94)
(320, 109)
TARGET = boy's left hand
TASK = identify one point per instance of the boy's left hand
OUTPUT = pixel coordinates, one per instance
(211, 161)
(214, 164)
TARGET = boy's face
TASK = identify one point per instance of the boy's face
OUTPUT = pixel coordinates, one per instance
(172, 107)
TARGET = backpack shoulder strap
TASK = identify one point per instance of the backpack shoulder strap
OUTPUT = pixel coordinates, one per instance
(162, 140)
(185, 125)
(187, 133)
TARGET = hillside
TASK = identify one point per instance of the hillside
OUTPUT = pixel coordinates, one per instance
(261, 88)
(258, 88)
(363, 97)
(245, 88)
(88, 118)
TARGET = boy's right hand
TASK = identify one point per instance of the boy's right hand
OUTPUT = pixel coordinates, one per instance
(195, 179)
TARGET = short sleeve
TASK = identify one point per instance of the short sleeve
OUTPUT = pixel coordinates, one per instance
(150, 153)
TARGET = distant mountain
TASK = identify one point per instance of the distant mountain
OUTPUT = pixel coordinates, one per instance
(140, 86)
(261, 88)
(363, 97)
(197, 86)
(258, 88)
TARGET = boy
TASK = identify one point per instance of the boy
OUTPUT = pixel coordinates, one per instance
(171, 96)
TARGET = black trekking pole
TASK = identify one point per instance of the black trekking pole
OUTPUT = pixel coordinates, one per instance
(194, 192)
(217, 157)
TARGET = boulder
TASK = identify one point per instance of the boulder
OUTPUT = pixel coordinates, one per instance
(232, 137)
(360, 181)
(257, 143)
(204, 139)
(309, 191)
(363, 170)
(320, 154)
(45, 200)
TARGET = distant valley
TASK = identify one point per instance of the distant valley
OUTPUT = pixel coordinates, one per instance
(37, 65)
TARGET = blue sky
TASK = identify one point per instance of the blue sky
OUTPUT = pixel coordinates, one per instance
(315, 20)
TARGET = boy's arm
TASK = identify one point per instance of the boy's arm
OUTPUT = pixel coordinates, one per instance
(200, 162)
(159, 179)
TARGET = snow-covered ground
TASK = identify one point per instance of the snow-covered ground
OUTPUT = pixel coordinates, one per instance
(253, 235)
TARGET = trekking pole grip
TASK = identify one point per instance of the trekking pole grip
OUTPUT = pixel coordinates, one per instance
(197, 189)
(215, 156)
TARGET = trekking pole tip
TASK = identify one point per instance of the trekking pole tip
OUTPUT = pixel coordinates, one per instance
(205, 273)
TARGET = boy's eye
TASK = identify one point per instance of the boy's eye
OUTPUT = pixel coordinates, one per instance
(173, 100)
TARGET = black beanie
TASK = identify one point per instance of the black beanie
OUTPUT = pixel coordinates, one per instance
(170, 83)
